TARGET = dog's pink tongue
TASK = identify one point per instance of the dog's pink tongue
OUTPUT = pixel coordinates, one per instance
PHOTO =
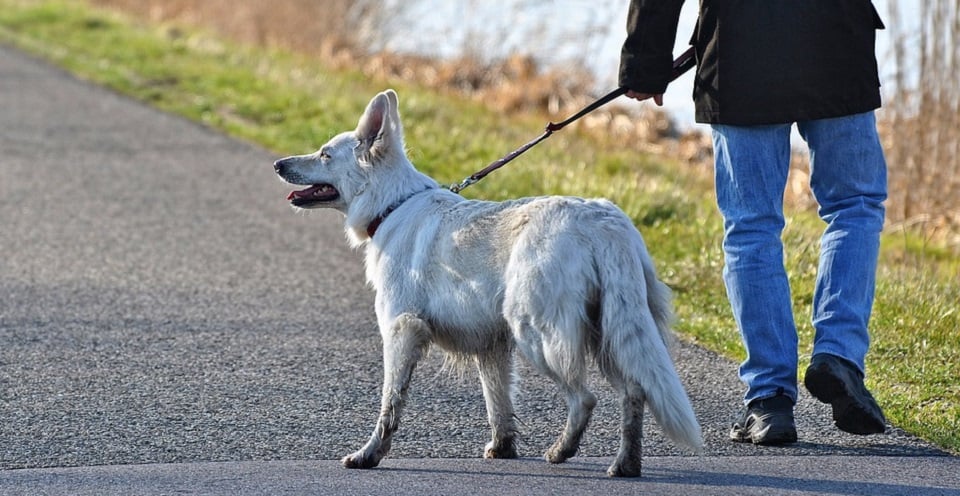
(304, 193)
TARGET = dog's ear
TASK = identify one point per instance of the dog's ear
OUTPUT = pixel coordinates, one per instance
(379, 129)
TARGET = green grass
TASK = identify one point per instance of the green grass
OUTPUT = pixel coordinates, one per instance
(290, 103)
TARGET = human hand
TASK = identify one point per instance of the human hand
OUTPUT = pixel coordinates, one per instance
(657, 97)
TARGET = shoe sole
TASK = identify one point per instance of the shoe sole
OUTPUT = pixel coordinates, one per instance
(766, 438)
(849, 415)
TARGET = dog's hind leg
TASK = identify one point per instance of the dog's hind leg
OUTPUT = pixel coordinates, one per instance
(580, 403)
(628, 460)
(567, 368)
(403, 346)
(543, 304)
(568, 371)
(633, 400)
(496, 375)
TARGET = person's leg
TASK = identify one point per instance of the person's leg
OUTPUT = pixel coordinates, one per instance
(751, 165)
(848, 176)
(849, 180)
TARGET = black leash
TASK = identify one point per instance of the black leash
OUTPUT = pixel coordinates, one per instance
(682, 64)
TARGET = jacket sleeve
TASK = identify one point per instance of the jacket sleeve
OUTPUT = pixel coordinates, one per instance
(647, 56)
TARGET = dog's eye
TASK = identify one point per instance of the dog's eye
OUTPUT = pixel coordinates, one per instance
(324, 156)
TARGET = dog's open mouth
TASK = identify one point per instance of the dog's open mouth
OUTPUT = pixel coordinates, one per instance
(318, 193)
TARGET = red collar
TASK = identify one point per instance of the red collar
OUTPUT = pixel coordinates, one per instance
(375, 223)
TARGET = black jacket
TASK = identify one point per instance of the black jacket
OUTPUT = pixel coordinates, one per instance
(761, 61)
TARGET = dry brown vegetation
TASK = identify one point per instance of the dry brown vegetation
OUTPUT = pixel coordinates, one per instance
(920, 123)
(340, 32)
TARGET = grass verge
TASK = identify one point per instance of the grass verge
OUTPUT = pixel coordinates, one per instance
(290, 103)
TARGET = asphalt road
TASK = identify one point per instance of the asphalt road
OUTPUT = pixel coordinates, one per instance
(169, 325)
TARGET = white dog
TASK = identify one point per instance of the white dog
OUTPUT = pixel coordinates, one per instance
(562, 279)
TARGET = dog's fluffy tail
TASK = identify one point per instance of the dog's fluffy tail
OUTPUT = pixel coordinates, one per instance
(635, 322)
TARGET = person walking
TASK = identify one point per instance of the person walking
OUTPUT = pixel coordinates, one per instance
(762, 66)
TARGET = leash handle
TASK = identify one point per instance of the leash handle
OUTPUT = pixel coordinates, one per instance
(681, 64)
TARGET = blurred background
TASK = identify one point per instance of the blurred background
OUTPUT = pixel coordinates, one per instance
(555, 55)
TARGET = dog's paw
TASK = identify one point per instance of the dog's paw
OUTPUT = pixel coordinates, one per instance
(502, 450)
(360, 460)
(624, 469)
(559, 453)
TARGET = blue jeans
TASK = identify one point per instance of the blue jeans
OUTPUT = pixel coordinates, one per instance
(849, 181)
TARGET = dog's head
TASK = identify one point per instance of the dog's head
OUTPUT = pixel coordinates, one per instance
(364, 173)
(340, 170)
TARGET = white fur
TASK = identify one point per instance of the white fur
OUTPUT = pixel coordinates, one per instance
(562, 279)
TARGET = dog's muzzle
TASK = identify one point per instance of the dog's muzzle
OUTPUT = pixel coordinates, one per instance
(313, 196)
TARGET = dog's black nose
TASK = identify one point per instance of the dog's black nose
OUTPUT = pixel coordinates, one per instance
(278, 165)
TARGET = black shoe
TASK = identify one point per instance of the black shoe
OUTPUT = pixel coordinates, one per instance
(767, 421)
(832, 380)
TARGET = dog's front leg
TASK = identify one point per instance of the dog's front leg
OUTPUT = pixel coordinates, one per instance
(403, 346)
(496, 376)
